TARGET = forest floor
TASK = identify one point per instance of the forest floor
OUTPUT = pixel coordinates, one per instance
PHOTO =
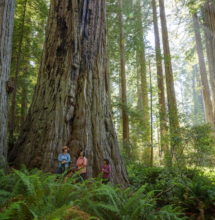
(153, 193)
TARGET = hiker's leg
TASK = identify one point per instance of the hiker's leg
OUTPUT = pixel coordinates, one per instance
(105, 181)
(83, 176)
(59, 170)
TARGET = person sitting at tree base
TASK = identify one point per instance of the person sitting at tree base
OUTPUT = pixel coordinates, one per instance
(81, 164)
(64, 160)
(106, 170)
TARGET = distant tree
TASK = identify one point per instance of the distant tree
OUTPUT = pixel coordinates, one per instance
(17, 66)
(28, 37)
(141, 67)
(172, 104)
(203, 72)
(125, 119)
(198, 105)
(160, 82)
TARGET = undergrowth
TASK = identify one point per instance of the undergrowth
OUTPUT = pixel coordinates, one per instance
(154, 194)
(190, 189)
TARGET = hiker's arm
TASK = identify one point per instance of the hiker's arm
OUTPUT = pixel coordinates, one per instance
(69, 158)
(85, 162)
(106, 170)
(59, 158)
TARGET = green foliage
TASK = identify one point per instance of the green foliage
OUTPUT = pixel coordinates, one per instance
(193, 5)
(139, 174)
(190, 189)
(28, 38)
(199, 145)
(37, 195)
(155, 193)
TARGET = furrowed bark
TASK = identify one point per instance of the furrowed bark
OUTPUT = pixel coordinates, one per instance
(208, 10)
(6, 28)
(70, 105)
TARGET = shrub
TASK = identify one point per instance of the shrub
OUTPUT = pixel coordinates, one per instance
(189, 189)
(36, 195)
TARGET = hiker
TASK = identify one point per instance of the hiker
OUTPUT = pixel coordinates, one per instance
(64, 160)
(81, 164)
(106, 170)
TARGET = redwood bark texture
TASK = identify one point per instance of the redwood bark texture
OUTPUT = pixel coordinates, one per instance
(6, 28)
(209, 29)
(71, 105)
(203, 72)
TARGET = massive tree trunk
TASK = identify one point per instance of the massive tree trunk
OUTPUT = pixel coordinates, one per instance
(141, 66)
(70, 104)
(172, 104)
(160, 83)
(6, 27)
(125, 120)
(209, 29)
(203, 72)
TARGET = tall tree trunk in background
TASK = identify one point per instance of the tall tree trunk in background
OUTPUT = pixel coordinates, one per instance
(211, 69)
(151, 115)
(12, 123)
(161, 93)
(6, 28)
(24, 102)
(203, 72)
(125, 120)
(201, 98)
(209, 30)
(70, 105)
(172, 104)
(139, 87)
(195, 98)
(141, 64)
(198, 106)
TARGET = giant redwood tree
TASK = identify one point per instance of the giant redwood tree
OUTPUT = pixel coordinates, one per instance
(160, 82)
(176, 149)
(6, 27)
(70, 105)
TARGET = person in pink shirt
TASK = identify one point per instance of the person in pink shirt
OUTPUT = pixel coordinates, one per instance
(106, 171)
(81, 164)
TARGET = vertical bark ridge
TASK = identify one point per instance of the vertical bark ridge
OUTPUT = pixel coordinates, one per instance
(70, 104)
(6, 28)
